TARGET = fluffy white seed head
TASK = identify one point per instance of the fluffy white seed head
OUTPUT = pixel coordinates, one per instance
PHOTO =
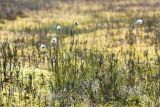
(43, 46)
(59, 27)
(139, 21)
(53, 41)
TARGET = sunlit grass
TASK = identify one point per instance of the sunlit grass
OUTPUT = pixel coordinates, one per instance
(104, 60)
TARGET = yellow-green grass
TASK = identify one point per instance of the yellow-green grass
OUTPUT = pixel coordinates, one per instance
(93, 28)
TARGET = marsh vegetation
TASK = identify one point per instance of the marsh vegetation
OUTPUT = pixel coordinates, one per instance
(80, 53)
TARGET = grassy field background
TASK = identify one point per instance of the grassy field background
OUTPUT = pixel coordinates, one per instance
(102, 57)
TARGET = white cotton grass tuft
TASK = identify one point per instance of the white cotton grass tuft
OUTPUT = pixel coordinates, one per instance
(53, 41)
(59, 27)
(43, 46)
(139, 22)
